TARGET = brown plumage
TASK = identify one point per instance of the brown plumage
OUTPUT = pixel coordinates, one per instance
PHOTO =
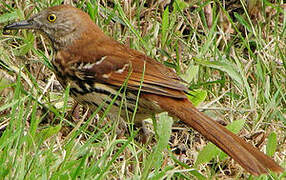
(96, 66)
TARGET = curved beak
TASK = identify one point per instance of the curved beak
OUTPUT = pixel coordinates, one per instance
(25, 24)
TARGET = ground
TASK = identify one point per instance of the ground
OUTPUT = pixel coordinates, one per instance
(232, 56)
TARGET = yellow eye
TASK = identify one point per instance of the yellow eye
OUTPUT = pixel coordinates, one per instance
(52, 18)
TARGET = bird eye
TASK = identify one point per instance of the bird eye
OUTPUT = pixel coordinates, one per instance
(52, 18)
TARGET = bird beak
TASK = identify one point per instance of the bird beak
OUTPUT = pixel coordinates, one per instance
(26, 24)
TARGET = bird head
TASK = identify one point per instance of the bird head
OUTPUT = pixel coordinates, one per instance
(61, 24)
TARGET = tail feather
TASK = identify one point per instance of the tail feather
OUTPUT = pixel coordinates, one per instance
(249, 157)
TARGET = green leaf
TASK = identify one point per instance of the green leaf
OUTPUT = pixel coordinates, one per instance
(190, 73)
(210, 150)
(164, 126)
(271, 144)
(180, 5)
(4, 83)
(165, 25)
(236, 126)
(207, 154)
(28, 44)
(227, 67)
(48, 132)
(242, 21)
(155, 159)
(197, 96)
(9, 16)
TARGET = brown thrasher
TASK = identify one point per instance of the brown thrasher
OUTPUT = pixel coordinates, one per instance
(96, 66)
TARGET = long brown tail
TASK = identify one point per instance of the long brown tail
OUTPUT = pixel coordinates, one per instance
(249, 157)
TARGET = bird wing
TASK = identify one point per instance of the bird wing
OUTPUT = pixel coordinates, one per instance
(112, 65)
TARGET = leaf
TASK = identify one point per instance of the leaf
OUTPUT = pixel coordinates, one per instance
(165, 25)
(236, 126)
(48, 132)
(155, 159)
(207, 154)
(164, 126)
(180, 5)
(242, 21)
(197, 96)
(227, 67)
(9, 16)
(190, 73)
(271, 144)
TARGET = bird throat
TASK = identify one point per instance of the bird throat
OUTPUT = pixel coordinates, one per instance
(63, 41)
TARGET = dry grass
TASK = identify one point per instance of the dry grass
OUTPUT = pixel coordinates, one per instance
(236, 58)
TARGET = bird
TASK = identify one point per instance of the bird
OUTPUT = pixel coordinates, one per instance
(96, 67)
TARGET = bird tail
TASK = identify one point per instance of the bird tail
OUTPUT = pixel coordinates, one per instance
(249, 157)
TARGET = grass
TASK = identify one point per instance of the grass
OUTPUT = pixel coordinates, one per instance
(235, 69)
